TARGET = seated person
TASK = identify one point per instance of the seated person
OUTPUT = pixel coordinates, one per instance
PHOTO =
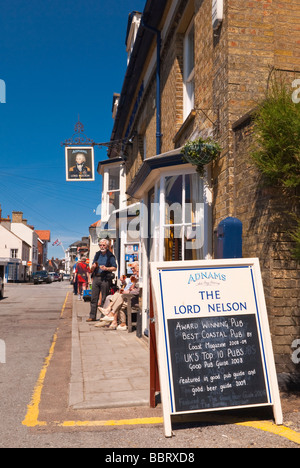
(124, 281)
(118, 303)
(123, 285)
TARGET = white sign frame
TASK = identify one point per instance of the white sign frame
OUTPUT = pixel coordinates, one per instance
(170, 285)
(88, 173)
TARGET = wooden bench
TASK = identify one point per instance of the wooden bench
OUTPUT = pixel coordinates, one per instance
(133, 310)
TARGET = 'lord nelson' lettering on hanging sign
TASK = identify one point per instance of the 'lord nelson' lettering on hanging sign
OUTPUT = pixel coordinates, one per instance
(214, 342)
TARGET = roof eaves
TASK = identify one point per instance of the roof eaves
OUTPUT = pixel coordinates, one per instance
(152, 15)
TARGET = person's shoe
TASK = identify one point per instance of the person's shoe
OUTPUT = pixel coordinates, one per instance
(101, 325)
(122, 327)
(111, 327)
(91, 320)
(107, 318)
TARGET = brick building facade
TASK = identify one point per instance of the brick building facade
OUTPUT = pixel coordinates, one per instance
(210, 80)
(264, 213)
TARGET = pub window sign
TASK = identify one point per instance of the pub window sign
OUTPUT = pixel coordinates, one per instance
(80, 164)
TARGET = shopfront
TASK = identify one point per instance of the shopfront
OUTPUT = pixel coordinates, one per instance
(10, 270)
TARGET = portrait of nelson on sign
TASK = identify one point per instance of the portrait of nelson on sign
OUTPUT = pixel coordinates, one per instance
(80, 164)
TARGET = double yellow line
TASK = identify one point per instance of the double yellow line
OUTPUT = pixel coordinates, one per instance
(33, 409)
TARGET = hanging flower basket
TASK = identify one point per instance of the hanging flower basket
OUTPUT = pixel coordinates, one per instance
(201, 152)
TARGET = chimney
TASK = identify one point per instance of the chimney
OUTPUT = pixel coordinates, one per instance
(17, 217)
(4, 221)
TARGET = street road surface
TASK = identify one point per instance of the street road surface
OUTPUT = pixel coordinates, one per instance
(30, 316)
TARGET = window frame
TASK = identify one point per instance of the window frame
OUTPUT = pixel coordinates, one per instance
(184, 224)
(105, 207)
(158, 215)
(14, 253)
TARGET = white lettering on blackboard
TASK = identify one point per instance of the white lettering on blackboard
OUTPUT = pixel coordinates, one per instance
(217, 334)
(217, 324)
(187, 326)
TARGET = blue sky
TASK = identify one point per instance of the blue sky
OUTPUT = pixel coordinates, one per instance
(59, 59)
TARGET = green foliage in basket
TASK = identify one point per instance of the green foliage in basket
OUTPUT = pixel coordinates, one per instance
(201, 152)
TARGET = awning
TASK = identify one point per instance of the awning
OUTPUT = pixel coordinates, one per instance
(109, 162)
(169, 159)
(5, 261)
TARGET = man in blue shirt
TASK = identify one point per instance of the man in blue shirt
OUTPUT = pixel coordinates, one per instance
(104, 265)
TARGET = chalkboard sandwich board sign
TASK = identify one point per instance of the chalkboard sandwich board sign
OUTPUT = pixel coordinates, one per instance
(214, 344)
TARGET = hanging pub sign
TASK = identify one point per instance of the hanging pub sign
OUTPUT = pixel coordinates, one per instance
(214, 344)
(80, 164)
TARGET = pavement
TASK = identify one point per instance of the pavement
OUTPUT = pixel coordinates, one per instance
(109, 369)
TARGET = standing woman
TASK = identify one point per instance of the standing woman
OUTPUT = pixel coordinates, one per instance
(82, 276)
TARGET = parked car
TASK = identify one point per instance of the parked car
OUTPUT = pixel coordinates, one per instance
(67, 277)
(58, 277)
(1, 288)
(51, 276)
(41, 277)
(55, 276)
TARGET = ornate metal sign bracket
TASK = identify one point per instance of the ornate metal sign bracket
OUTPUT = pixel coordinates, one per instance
(80, 139)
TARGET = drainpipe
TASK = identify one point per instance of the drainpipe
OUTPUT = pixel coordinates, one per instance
(158, 94)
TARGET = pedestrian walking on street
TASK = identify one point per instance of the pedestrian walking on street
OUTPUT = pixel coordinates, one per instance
(104, 265)
(82, 276)
(74, 280)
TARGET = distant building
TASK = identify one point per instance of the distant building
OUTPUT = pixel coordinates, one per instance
(23, 250)
(20, 227)
(44, 237)
(14, 256)
(77, 250)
